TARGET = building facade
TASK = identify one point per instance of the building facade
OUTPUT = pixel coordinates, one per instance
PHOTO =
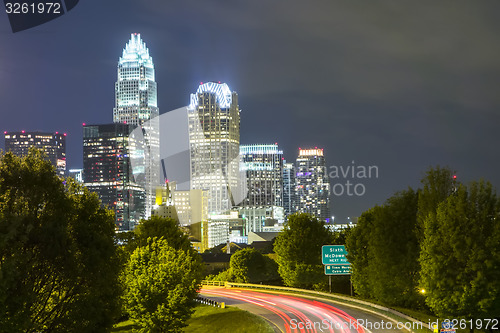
(136, 105)
(214, 138)
(289, 189)
(185, 206)
(312, 184)
(262, 218)
(76, 174)
(107, 172)
(52, 144)
(263, 168)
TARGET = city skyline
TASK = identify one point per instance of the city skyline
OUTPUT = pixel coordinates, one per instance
(372, 84)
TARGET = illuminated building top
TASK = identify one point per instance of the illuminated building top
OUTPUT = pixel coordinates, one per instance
(260, 149)
(310, 152)
(136, 52)
(221, 90)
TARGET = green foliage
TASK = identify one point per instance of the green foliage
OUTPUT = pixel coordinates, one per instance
(437, 184)
(460, 255)
(453, 230)
(250, 266)
(298, 248)
(160, 227)
(359, 255)
(384, 250)
(394, 251)
(160, 286)
(58, 267)
(226, 275)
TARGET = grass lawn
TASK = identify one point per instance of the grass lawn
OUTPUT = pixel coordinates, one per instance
(210, 319)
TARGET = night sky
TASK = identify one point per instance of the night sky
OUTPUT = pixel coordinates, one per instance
(399, 85)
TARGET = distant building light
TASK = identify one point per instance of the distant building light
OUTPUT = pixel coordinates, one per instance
(311, 152)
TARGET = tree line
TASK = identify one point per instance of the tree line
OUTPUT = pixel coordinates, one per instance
(63, 268)
(437, 248)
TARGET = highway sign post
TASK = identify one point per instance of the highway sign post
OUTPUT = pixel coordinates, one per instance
(333, 257)
(337, 269)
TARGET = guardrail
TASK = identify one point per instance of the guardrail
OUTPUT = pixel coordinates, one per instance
(210, 302)
(316, 293)
(213, 283)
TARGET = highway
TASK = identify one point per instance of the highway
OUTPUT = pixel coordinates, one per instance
(298, 314)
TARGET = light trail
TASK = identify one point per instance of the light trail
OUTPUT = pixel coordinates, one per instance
(294, 314)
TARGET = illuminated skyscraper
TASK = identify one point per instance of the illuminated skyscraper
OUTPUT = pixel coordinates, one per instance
(136, 105)
(214, 137)
(52, 144)
(107, 171)
(263, 165)
(289, 188)
(313, 187)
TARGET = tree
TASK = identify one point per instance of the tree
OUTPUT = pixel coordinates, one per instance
(383, 250)
(460, 256)
(160, 286)
(156, 226)
(249, 265)
(437, 185)
(58, 267)
(298, 248)
(394, 251)
(357, 246)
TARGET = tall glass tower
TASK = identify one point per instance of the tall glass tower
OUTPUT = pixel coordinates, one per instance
(53, 144)
(136, 105)
(214, 139)
(289, 188)
(263, 165)
(107, 172)
(313, 186)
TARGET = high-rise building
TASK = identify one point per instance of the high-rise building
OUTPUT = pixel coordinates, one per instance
(214, 139)
(263, 165)
(76, 174)
(185, 206)
(313, 187)
(52, 144)
(107, 171)
(289, 188)
(262, 218)
(136, 105)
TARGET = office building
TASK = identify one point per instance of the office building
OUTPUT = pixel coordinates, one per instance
(136, 105)
(185, 206)
(214, 138)
(289, 189)
(108, 172)
(262, 218)
(235, 224)
(313, 187)
(52, 144)
(76, 174)
(263, 167)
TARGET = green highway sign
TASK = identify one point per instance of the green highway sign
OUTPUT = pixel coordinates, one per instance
(334, 255)
(337, 269)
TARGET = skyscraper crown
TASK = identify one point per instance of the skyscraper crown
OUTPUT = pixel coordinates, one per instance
(136, 52)
(221, 90)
